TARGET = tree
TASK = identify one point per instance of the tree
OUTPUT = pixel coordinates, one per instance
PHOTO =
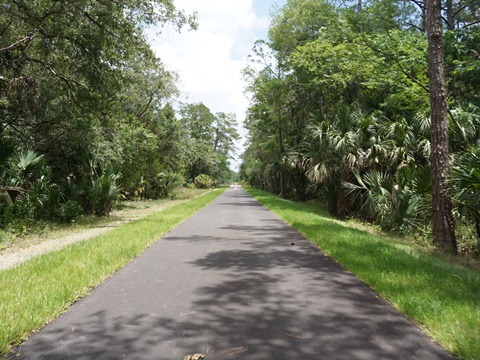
(355, 109)
(87, 102)
(224, 138)
(197, 120)
(209, 142)
(443, 226)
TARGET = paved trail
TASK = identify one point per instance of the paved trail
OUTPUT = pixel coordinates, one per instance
(228, 283)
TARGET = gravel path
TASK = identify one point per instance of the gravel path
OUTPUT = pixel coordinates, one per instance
(15, 255)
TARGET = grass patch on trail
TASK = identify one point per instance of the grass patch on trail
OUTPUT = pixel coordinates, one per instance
(38, 290)
(442, 297)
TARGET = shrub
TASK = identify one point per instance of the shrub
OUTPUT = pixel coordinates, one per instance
(165, 183)
(102, 194)
(24, 208)
(6, 214)
(204, 181)
(464, 185)
(70, 211)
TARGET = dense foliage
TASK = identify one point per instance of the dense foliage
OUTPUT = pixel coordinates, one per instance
(85, 115)
(340, 111)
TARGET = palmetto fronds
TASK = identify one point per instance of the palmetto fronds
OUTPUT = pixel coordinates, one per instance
(383, 165)
(27, 158)
(399, 202)
(464, 184)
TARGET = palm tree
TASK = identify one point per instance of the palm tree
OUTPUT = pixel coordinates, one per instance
(338, 146)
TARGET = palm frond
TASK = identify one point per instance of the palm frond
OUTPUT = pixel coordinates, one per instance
(28, 158)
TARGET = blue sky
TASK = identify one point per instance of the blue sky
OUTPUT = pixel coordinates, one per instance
(263, 7)
(209, 60)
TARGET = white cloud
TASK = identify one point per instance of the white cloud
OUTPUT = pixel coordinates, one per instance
(209, 60)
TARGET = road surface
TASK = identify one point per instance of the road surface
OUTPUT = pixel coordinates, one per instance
(232, 282)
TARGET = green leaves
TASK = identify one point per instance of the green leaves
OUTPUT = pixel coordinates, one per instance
(343, 100)
(210, 141)
(28, 158)
(78, 81)
(465, 184)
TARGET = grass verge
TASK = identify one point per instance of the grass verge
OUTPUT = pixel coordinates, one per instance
(441, 297)
(38, 290)
(40, 231)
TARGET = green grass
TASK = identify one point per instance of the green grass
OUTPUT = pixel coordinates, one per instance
(38, 290)
(35, 232)
(443, 298)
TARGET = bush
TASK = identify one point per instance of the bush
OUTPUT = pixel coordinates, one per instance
(6, 214)
(204, 181)
(70, 211)
(24, 208)
(164, 184)
(102, 194)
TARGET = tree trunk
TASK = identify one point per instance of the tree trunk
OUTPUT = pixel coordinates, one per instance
(450, 15)
(424, 20)
(450, 12)
(281, 151)
(443, 227)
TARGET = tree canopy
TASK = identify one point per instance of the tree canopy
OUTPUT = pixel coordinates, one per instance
(86, 114)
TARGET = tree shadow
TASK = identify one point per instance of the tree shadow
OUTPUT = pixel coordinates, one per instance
(250, 292)
(401, 272)
(265, 302)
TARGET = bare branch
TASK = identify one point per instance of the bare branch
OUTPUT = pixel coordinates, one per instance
(445, 20)
(65, 79)
(459, 10)
(420, 4)
(413, 79)
(472, 23)
(416, 27)
(25, 40)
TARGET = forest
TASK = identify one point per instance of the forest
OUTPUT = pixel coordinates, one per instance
(340, 111)
(88, 113)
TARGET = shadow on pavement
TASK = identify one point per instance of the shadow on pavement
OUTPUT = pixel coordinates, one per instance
(252, 314)
(263, 298)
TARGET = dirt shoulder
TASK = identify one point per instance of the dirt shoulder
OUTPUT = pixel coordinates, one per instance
(38, 245)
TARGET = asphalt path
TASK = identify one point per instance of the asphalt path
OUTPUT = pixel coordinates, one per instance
(232, 282)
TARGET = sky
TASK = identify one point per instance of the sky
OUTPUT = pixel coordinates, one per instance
(209, 60)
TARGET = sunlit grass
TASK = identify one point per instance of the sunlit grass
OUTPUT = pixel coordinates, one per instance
(440, 296)
(38, 290)
(42, 231)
